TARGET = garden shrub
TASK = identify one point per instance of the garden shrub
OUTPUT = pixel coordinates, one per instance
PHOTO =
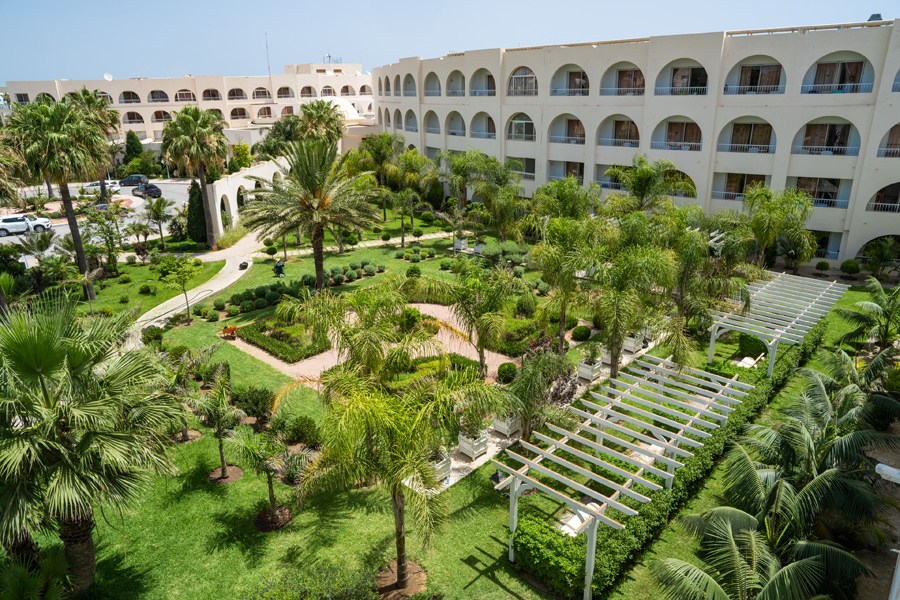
(571, 321)
(750, 345)
(526, 305)
(303, 430)
(381, 268)
(260, 303)
(364, 262)
(248, 295)
(256, 402)
(516, 259)
(268, 242)
(152, 336)
(212, 315)
(272, 297)
(233, 310)
(177, 352)
(271, 250)
(417, 232)
(208, 372)
(445, 265)
(431, 252)
(581, 333)
(596, 322)
(197, 262)
(823, 265)
(318, 581)
(427, 217)
(492, 252)
(247, 306)
(416, 249)
(131, 259)
(350, 275)
(413, 271)
(337, 271)
(543, 288)
(385, 237)
(288, 349)
(448, 229)
(144, 289)
(486, 263)
(236, 299)
(506, 372)
(369, 270)
(376, 230)
(198, 309)
(850, 267)
(399, 254)
(338, 279)
(350, 239)
(308, 279)
(409, 318)
(518, 272)
(414, 258)
(219, 304)
(260, 292)
(125, 279)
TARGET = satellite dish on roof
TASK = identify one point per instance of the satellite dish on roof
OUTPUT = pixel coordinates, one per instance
(107, 76)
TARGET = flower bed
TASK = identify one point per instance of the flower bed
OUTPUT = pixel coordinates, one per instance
(286, 349)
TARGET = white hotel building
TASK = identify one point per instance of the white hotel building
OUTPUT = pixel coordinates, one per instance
(813, 107)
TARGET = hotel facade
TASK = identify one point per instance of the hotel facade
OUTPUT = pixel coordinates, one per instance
(816, 108)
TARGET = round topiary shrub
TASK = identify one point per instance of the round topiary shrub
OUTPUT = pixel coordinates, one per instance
(268, 242)
(248, 295)
(448, 229)
(271, 250)
(184, 246)
(219, 304)
(369, 270)
(416, 249)
(431, 252)
(124, 246)
(233, 311)
(506, 372)
(351, 239)
(376, 230)
(247, 306)
(850, 267)
(581, 333)
(445, 265)
(417, 232)
(337, 271)
(364, 262)
(823, 265)
(273, 297)
(236, 299)
(427, 217)
(260, 303)
(346, 268)
(526, 305)
(355, 265)
(413, 271)
(350, 275)
(385, 237)
(124, 299)
(261, 291)
(381, 268)
(338, 279)
(414, 258)
(308, 279)
(144, 289)
(198, 262)
(543, 288)
(399, 254)
(131, 259)
(212, 315)
(125, 279)
(198, 309)
(518, 272)
(152, 267)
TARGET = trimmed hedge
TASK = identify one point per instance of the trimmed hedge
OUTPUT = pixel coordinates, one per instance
(558, 560)
(255, 334)
(506, 372)
(581, 333)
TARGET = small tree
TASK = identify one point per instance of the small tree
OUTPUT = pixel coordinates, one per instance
(217, 413)
(178, 272)
(850, 267)
(261, 452)
(241, 157)
(822, 266)
(157, 212)
(196, 217)
(133, 147)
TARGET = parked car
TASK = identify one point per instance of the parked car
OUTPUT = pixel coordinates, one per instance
(132, 180)
(22, 224)
(145, 190)
(111, 187)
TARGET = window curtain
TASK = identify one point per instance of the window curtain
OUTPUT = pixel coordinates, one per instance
(734, 183)
(740, 133)
(626, 80)
(837, 135)
(826, 73)
(490, 83)
(574, 128)
(578, 81)
(770, 75)
(762, 135)
(490, 126)
(691, 133)
(751, 180)
(851, 72)
(748, 75)
(816, 134)
(681, 77)
(893, 140)
(675, 133)
(808, 185)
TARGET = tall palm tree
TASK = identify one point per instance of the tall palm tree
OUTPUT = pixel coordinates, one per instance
(263, 453)
(314, 195)
(405, 203)
(647, 184)
(876, 319)
(282, 132)
(321, 120)
(543, 388)
(217, 413)
(58, 142)
(64, 379)
(771, 213)
(459, 170)
(383, 149)
(11, 167)
(194, 141)
(156, 211)
(98, 110)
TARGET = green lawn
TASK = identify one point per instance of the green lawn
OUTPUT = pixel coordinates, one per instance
(142, 275)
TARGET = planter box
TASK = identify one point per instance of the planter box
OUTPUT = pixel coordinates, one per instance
(459, 244)
(633, 344)
(473, 448)
(590, 372)
(479, 246)
(605, 358)
(442, 469)
(508, 426)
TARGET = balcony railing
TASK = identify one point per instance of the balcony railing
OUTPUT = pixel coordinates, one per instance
(132, 121)
(826, 150)
(433, 129)
(124, 101)
(830, 203)
(565, 139)
(896, 87)
(365, 93)
(616, 91)
(414, 128)
(519, 92)
(484, 135)
(618, 143)
(485, 92)
(889, 153)
(609, 185)
(520, 137)
(524, 175)
(824, 253)
(744, 90)
(432, 92)
(344, 94)
(891, 207)
(456, 93)
(681, 91)
(307, 95)
(727, 195)
(409, 93)
(459, 132)
(569, 91)
(837, 88)
(748, 148)
(396, 92)
(559, 177)
(691, 146)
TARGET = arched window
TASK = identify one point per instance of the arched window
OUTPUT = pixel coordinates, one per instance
(160, 116)
(285, 92)
(132, 118)
(105, 96)
(217, 111)
(347, 91)
(379, 88)
(236, 94)
(185, 96)
(44, 97)
(261, 94)
(307, 92)
(158, 96)
(365, 91)
(387, 86)
(327, 91)
(264, 113)
(239, 113)
(211, 95)
(287, 110)
(129, 98)
(522, 82)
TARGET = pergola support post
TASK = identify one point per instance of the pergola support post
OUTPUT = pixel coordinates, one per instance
(513, 516)
(713, 334)
(773, 348)
(589, 560)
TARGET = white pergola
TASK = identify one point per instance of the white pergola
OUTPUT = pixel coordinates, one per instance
(692, 403)
(782, 309)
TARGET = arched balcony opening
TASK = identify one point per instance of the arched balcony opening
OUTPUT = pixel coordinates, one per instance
(161, 116)
(456, 125)
(409, 86)
(347, 91)
(44, 97)
(387, 118)
(482, 84)
(619, 131)
(241, 196)
(432, 85)
(731, 186)
(839, 73)
(566, 129)
(264, 113)
(483, 127)
(677, 133)
(753, 135)
(522, 82)
(521, 128)
(398, 120)
(104, 96)
(238, 114)
(396, 85)
(158, 96)
(758, 74)
(307, 92)
(236, 94)
(887, 199)
(411, 123)
(824, 192)
(327, 91)
(569, 80)
(890, 143)
(387, 86)
(211, 95)
(132, 118)
(560, 169)
(686, 186)
(380, 87)
(622, 79)
(261, 93)
(185, 96)
(216, 111)
(456, 84)
(365, 90)
(285, 92)
(287, 110)
(827, 136)
(682, 77)
(896, 86)
(432, 123)
(129, 98)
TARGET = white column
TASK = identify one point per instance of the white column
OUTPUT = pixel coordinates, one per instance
(713, 334)
(513, 516)
(589, 561)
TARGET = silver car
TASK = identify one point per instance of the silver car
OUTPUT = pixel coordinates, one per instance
(111, 186)
(23, 224)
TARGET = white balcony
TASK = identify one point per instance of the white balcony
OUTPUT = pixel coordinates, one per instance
(433, 129)
(524, 175)
(616, 91)
(565, 139)
(747, 148)
(484, 135)
(689, 146)
(890, 207)
(681, 91)
(520, 137)
(823, 253)
(609, 185)
(521, 92)
(837, 88)
(410, 93)
(345, 94)
(618, 143)
(433, 92)
(829, 203)
(365, 93)
(483, 92)
(568, 92)
(396, 92)
(559, 177)
(717, 195)
(413, 128)
(826, 150)
(889, 153)
(459, 132)
(456, 93)
(750, 90)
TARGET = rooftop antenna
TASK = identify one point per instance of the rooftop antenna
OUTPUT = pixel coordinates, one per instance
(268, 64)
(107, 76)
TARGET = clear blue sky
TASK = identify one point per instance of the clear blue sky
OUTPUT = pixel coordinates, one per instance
(50, 39)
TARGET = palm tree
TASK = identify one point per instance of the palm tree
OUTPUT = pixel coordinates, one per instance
(561, 199)
(282, 132)
(321, 120)
(460, 220)
(57, 141)
(44, 577)
(37, 245)
(11, 167)
(882, 256)
(459, 170)
(404, 204)
(140, 231)
(98, 111)
(647, 185)
(194, 141)
(156, 211)
(62, 379)
(876, 319)
(262, 452)
(217, 413)
(383, 149)
(542, 390)
(771, 213)
(312, 197)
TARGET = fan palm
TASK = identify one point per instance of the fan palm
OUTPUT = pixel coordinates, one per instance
(43, 578)
(58, 141)
(312, 197)
(217, 413)
(98, 111)
(62, 379)
(405, 203)
(261, 452)
(772, 213)
(37, 245)
(11, 167)
(647, 185)
(194, 141)
(876, 319)
(321, 120)
(156, 211)
(383, 149)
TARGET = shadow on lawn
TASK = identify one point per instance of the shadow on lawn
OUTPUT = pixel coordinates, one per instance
(118, 582)
(488, 564)
(235, 529)
(194, 479)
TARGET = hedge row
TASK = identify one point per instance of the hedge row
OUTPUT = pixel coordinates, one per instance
(558, 560)
(254, 334)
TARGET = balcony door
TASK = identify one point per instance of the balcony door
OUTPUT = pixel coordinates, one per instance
(491, 129)
(626, 131)
(759, 76)
(574, 129)
(683, 133)
(575, 169)
(755, 136)
(630, 79)
(838, 73)
(491, 87)
(736, 183)
(578, 82)
(832, 135)
(694, 77)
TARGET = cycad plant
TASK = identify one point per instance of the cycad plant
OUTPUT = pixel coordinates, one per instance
(876, 319)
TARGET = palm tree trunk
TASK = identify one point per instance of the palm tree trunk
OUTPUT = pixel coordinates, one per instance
(207, 211)
(402, 233)
(482, 367)
(399, 504)
(49, 187)
(761, 258)
(272, 502)
(184, 430)
(222, 455)
(317, 240)
(103, 190)
(383, 198)
(339, 239)
(89, 292)
(77, 536)
(23, 549)
(412, 219)
(615, 354)
(162, 240)
(284, 246)
(562, 330)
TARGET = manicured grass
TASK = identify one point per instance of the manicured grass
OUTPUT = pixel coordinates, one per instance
(142, 275)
